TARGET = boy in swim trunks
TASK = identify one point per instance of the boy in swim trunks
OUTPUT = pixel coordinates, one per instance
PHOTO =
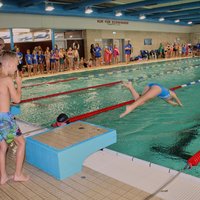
(9, 131)
(151, 91)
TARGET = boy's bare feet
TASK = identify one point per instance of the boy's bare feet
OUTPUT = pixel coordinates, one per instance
(3, 180)
(21, 178)
(128, 110)
(128, 84)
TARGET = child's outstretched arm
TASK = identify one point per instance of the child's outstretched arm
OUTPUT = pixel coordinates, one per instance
(174, 96)
(173, 103)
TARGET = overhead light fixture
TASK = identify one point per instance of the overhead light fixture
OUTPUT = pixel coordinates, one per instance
(1, 4)
(114, 33)
(177, 21)
(142, 17)
(49, 7)
(88, 10)
(190, 22)
(118, 13)
(161, 19)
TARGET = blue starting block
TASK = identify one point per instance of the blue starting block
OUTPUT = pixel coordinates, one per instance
(15, 109)
(60, 152)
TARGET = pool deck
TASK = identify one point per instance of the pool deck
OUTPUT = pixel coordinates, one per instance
(163, 182)
(87, 185)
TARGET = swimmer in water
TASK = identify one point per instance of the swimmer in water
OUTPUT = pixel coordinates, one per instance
(151, 91)
(61, 120)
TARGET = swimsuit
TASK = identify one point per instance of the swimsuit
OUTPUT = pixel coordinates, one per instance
(128, 51)
(8, 127)
(165, 94)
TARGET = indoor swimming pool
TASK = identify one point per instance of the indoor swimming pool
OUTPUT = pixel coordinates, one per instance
(156, 132)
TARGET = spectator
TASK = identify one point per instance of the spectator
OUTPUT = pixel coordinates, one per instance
(92, 53)
(98, 54)
(20, 60)
(128, 50)
(116, 54)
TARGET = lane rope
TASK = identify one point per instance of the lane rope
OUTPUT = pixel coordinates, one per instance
(50, 82)
(69, 92)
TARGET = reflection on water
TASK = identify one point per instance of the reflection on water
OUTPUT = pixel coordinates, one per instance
(178, 149)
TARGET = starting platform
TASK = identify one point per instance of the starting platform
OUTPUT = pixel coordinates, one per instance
(60, 152)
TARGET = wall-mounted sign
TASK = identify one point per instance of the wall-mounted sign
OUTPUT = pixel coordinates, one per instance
(112, 22)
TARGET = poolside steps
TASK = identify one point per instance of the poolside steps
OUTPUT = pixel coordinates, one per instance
(60, 152)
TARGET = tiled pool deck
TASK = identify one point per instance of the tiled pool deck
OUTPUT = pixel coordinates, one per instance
(87, 185)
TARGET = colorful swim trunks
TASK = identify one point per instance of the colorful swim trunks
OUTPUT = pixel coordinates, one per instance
(8, 127)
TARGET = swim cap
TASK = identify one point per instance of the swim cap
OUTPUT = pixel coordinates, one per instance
(62, 117)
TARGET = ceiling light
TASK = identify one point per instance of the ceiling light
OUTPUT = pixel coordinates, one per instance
(114, 33)
(161, 19)
(88, 10)
(1, 4)
(118, 13)
(49, 7)
(177, 21)
(142, 17)
(190, 22)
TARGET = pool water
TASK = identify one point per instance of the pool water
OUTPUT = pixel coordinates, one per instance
(155, 132)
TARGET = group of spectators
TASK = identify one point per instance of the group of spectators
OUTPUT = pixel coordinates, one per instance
(110, 54)
(49, 60)
(39, 61)
(171, 50)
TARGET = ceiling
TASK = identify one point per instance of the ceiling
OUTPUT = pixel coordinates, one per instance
(170, 10)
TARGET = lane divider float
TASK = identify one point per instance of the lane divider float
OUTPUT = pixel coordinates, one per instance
(50, 82)
(69, 92)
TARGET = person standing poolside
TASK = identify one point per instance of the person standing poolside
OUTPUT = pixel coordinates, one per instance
(20, 61)
(9, 131)
(92, 53)
(98, 54)
(151, 91)
(116, 54)
(107, 54)
(128, 50)
(47, 56)
(29, 61)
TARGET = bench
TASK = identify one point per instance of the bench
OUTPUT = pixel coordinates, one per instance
(60, 152)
